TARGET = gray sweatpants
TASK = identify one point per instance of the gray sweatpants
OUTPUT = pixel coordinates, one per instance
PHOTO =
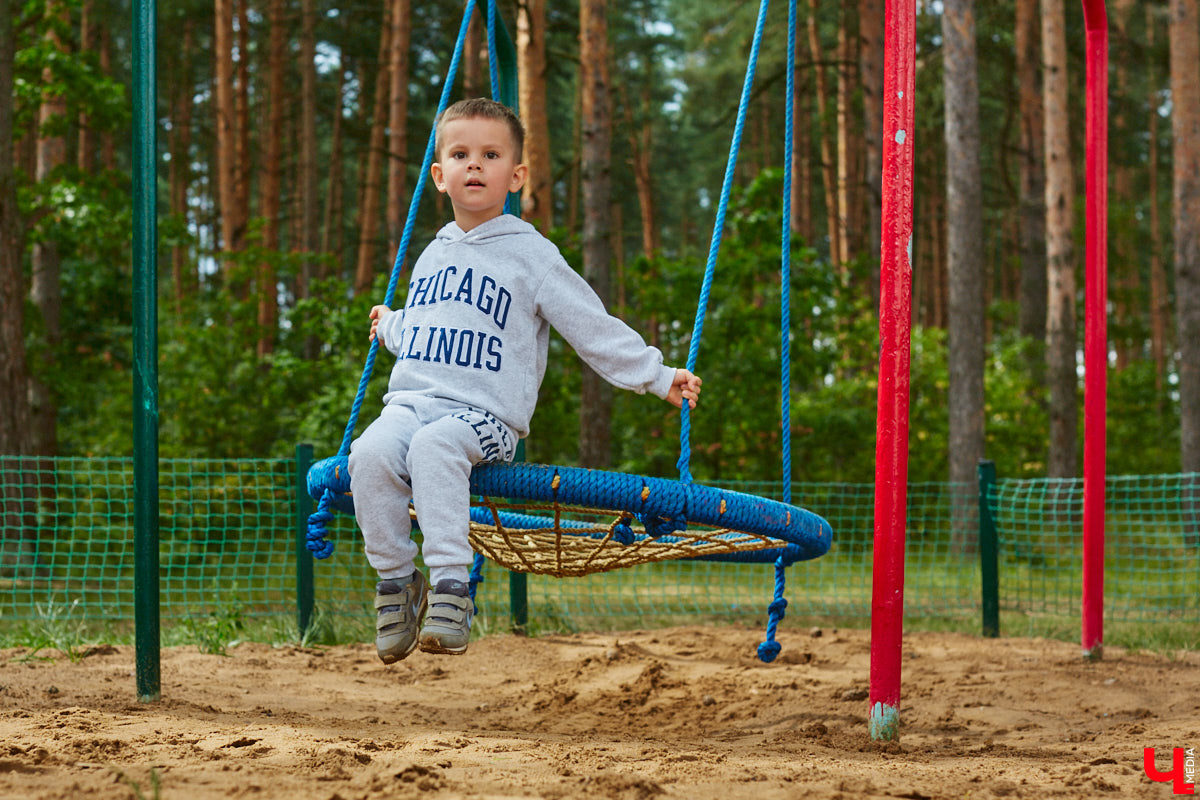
(422, 453)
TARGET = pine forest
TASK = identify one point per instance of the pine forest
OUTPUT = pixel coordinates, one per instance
(291, 135)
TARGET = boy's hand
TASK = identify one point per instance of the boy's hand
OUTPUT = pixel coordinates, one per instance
(685, 387)
(377, 313)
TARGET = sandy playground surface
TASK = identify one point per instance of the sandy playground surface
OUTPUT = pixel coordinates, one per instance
(675, 713)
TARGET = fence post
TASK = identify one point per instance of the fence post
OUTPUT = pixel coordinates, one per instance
(988, 551)
(518, 582)
(304, 562)
(146, 567)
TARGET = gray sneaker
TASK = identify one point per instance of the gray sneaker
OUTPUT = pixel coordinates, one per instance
(447, 628)
(399, 609)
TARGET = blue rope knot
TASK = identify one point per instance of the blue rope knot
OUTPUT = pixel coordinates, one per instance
(767, 651)
(316, 543)
(776, 610)
(657, 526)
(622, 532)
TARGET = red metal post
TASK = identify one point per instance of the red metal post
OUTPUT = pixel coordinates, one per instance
(1095, 347)
(895, 323)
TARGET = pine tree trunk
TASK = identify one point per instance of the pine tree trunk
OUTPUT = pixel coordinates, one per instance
(1060, 255)
(1185, 128)
(368, 220)
(242, 111)
(937, 242)
(643, 175)
(1031, 310)
(573, 181)
(15, 414)
(85, 156)
(801, 220)
(964, 212)
(870, 60)
(843, 140)
(641, 137)
(595, 445)
(828, 162)
(308, 181)
(1160, 311)
(1123, 269)
(232, 229)
(331, 238)
(473, 84)
(272, 179)
(537, 200)
(46, 284)
(179, 172)
(398, 125)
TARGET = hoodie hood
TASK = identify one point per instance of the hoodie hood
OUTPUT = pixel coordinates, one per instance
(503, 225)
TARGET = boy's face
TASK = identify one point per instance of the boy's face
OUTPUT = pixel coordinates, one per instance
(477, 167)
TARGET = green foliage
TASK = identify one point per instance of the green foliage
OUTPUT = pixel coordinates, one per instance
(677, 70)
(59, 626)
(136, 788)
(218, 630)
(1142, 423)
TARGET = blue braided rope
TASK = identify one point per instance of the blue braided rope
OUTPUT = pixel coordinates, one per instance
(316, 542)
(493, 59)
(769, 649)
(785, 267)
(476, 575)
(685, 424)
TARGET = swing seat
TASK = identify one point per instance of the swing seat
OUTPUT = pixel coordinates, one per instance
(569, 521)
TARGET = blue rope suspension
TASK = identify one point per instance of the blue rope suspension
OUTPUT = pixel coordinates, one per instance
(685, 423)
(785, 265)
(769, 649)
(655, 526)
(477, 563)
(317, 543)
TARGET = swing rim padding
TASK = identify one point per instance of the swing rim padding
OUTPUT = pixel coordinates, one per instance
(803, 534)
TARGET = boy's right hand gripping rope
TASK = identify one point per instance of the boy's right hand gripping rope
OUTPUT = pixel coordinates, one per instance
(316, 542)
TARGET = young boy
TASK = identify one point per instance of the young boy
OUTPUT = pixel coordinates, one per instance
(471, 347)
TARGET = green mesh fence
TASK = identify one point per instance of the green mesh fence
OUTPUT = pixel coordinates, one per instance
(228, 536)
(1152, 546)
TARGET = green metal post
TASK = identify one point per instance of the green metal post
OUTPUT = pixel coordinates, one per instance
(145, 355)
(518, 582)
(506, 67)
(988, 551)
(304, 560)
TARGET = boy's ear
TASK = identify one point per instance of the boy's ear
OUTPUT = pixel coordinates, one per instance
(435, 172)
(520, 175)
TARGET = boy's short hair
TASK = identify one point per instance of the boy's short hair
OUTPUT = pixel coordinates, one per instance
(482, 107)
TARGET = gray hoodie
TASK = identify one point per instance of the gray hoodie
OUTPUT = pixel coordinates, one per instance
(476, 325)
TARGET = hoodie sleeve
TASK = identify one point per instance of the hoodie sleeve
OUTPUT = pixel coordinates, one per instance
(391, 331)
(614, 350)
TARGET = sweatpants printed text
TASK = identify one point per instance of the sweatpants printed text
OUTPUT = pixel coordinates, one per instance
(484, 423)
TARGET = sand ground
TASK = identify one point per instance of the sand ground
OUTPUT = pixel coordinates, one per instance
(676, 713)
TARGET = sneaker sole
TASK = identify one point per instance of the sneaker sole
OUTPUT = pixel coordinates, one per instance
(432, 644)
